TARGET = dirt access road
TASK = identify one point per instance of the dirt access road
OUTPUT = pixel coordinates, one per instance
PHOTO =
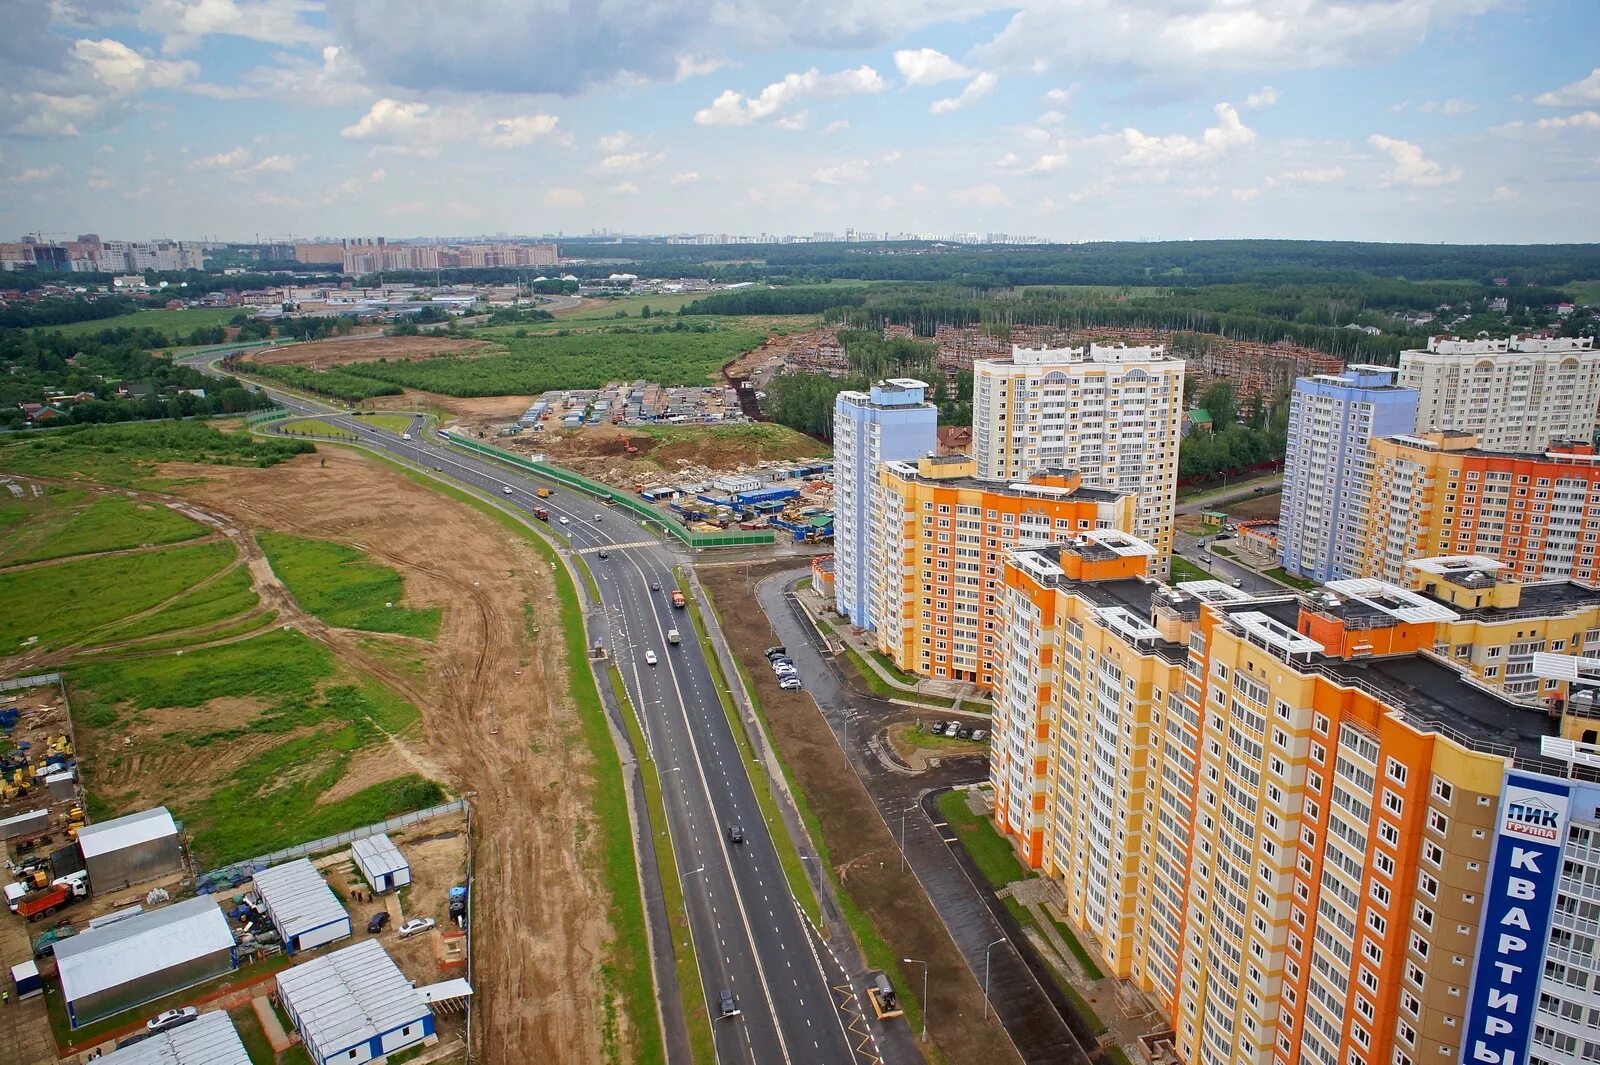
(498, 724)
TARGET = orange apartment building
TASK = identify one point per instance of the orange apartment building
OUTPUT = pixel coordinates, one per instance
(939, 541)
(1440, 494)
(1272, 814)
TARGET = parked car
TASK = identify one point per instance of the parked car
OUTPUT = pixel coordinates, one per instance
(171, 1019)
(415, 926)
(649, 658)
(952, 727)
(774, 652)
(963, 733)
(789, 684)
(726, 1004)
(980, 734)
(378, 920)
(935, 729)
(735, 834)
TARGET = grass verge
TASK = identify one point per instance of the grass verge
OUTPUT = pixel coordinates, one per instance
(788, 855)
(877, 686)
(313, 427)
(256, 1043)
(1184, 570)
(111, 523)
(893, 670)
(344, 587)
(1278, 573)
(392, 423)
(696, 1012)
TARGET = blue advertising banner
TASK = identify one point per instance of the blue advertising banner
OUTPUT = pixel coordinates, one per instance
(1524, 874)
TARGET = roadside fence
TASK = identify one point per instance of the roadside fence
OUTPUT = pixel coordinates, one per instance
(247, 868)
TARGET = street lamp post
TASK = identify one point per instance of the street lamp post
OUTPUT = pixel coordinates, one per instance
(986, 950)
(918, 961)
(903, 813)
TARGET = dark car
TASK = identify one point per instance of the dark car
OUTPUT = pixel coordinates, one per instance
(964, 732)
(735, 834)
(774, 652)
(726, 1003)
(379, 919)
(605, 554)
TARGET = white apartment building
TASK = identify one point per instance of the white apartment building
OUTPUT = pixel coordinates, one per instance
(1109, 412)
(892, 421)
(1514, 395)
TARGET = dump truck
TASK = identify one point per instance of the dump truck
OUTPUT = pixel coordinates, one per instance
(36, 905)
(677, 598)
(541, 513)
(543, 493)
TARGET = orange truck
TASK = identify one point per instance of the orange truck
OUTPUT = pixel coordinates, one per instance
(64, 892)
(677, 598)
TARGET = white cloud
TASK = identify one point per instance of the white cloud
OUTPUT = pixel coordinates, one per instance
(274, 164)
(976, 89)
(849, 172)
(1504, 194)
(928, 66)
(982, 195)
(1456, 105)
(558, 196)
(614, 142)
(629, 162)
(1310, 176)
(1048, 163)
(625, 188)
(223, 160)
(35, 175)
(1062, 97)
(835, 126)
(1411, 167)
(688, 177)
(399, 126)
(522, 130)
(1197, 39)
(1581, 120)
(1243, 195)
(693, 66)
(183, 25)
(1585, 90)
(1229, 132)
(1266, 97)
(732, 108)
(1051, 118)
(338, 80)
(794, 122)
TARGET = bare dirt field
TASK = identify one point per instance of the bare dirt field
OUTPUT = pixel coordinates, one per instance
(487, 691)
(322, 354)
(862, 851)
(1265, 505)
(476, 412)
(602, 453)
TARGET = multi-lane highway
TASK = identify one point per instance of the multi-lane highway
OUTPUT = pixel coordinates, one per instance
(749, 936)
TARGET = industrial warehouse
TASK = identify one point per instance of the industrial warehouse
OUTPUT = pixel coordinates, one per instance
(301, 906)
(354, 1005)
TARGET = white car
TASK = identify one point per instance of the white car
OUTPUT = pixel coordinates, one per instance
(649, 658)
(415, 926)
(506, 489)
(171, 1019)
(597, 517)
(565, 520)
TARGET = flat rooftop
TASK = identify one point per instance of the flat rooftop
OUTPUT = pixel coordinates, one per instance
(1082, 493)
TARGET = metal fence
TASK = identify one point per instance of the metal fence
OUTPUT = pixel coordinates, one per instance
(39, 681)
(622, 499)
(267, 416)
(328, 843)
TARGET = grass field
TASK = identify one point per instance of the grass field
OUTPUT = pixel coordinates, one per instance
(1184, 570)
(537, 363)
(393, 423)
(755, 441)
(313, 427)
(109, 523)
(1584, 292)
(225, 597)
(340, 585)
(1278, 573)
(126, 454)
(172, 323)
(73, 598)
(606, 309)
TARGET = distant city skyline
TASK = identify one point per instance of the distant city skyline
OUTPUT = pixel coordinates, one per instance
(1459, 121)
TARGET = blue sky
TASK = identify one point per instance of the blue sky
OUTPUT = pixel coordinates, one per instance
(1426, 120)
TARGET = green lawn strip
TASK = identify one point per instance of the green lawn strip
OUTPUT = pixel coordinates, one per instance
(1184, 570)
(999, 865)
(1223, 551)
(224, 597)
(313, 427)
(627, 968)
(394, 423)
(125, 453)
(788, 855)
(112, 523)
(187, 639)
(876, 685)
(1278, 573)
(89, 1034)
(919, 737)
(295, 1055)
(893, 670)
(60, 602)
(177, 323)
(256, 1043)
(702, 1041)
(343, 587)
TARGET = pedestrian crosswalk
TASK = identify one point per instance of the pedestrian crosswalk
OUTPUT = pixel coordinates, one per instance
(617, 547)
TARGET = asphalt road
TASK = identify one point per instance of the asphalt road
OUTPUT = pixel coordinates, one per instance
(749, 936)
(1028, 1004)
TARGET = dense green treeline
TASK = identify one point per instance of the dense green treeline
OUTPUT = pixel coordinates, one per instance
(63, 311)
(336, 384)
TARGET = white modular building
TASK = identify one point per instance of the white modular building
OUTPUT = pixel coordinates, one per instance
(302, 906)
(127, 850)
(209, 1040)
(354, 1006)
(113, 968)
(381, 863)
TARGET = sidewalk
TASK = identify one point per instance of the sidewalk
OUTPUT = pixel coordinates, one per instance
(834, 629)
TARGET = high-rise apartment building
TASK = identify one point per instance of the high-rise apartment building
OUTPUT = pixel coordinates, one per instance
(1293, 822)
(1111, 413)
(1439, 493)
(1514, 395)
(1327, 465)
(939, 544)
(892, 421)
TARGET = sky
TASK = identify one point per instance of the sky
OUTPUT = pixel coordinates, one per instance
(1470, 121)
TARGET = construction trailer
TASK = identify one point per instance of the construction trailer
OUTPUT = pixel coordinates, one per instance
(354, 1006)
(29, 824)
(301, 905)
(131, 849)
(107, 970)
(381, 863)
(210, 1039)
